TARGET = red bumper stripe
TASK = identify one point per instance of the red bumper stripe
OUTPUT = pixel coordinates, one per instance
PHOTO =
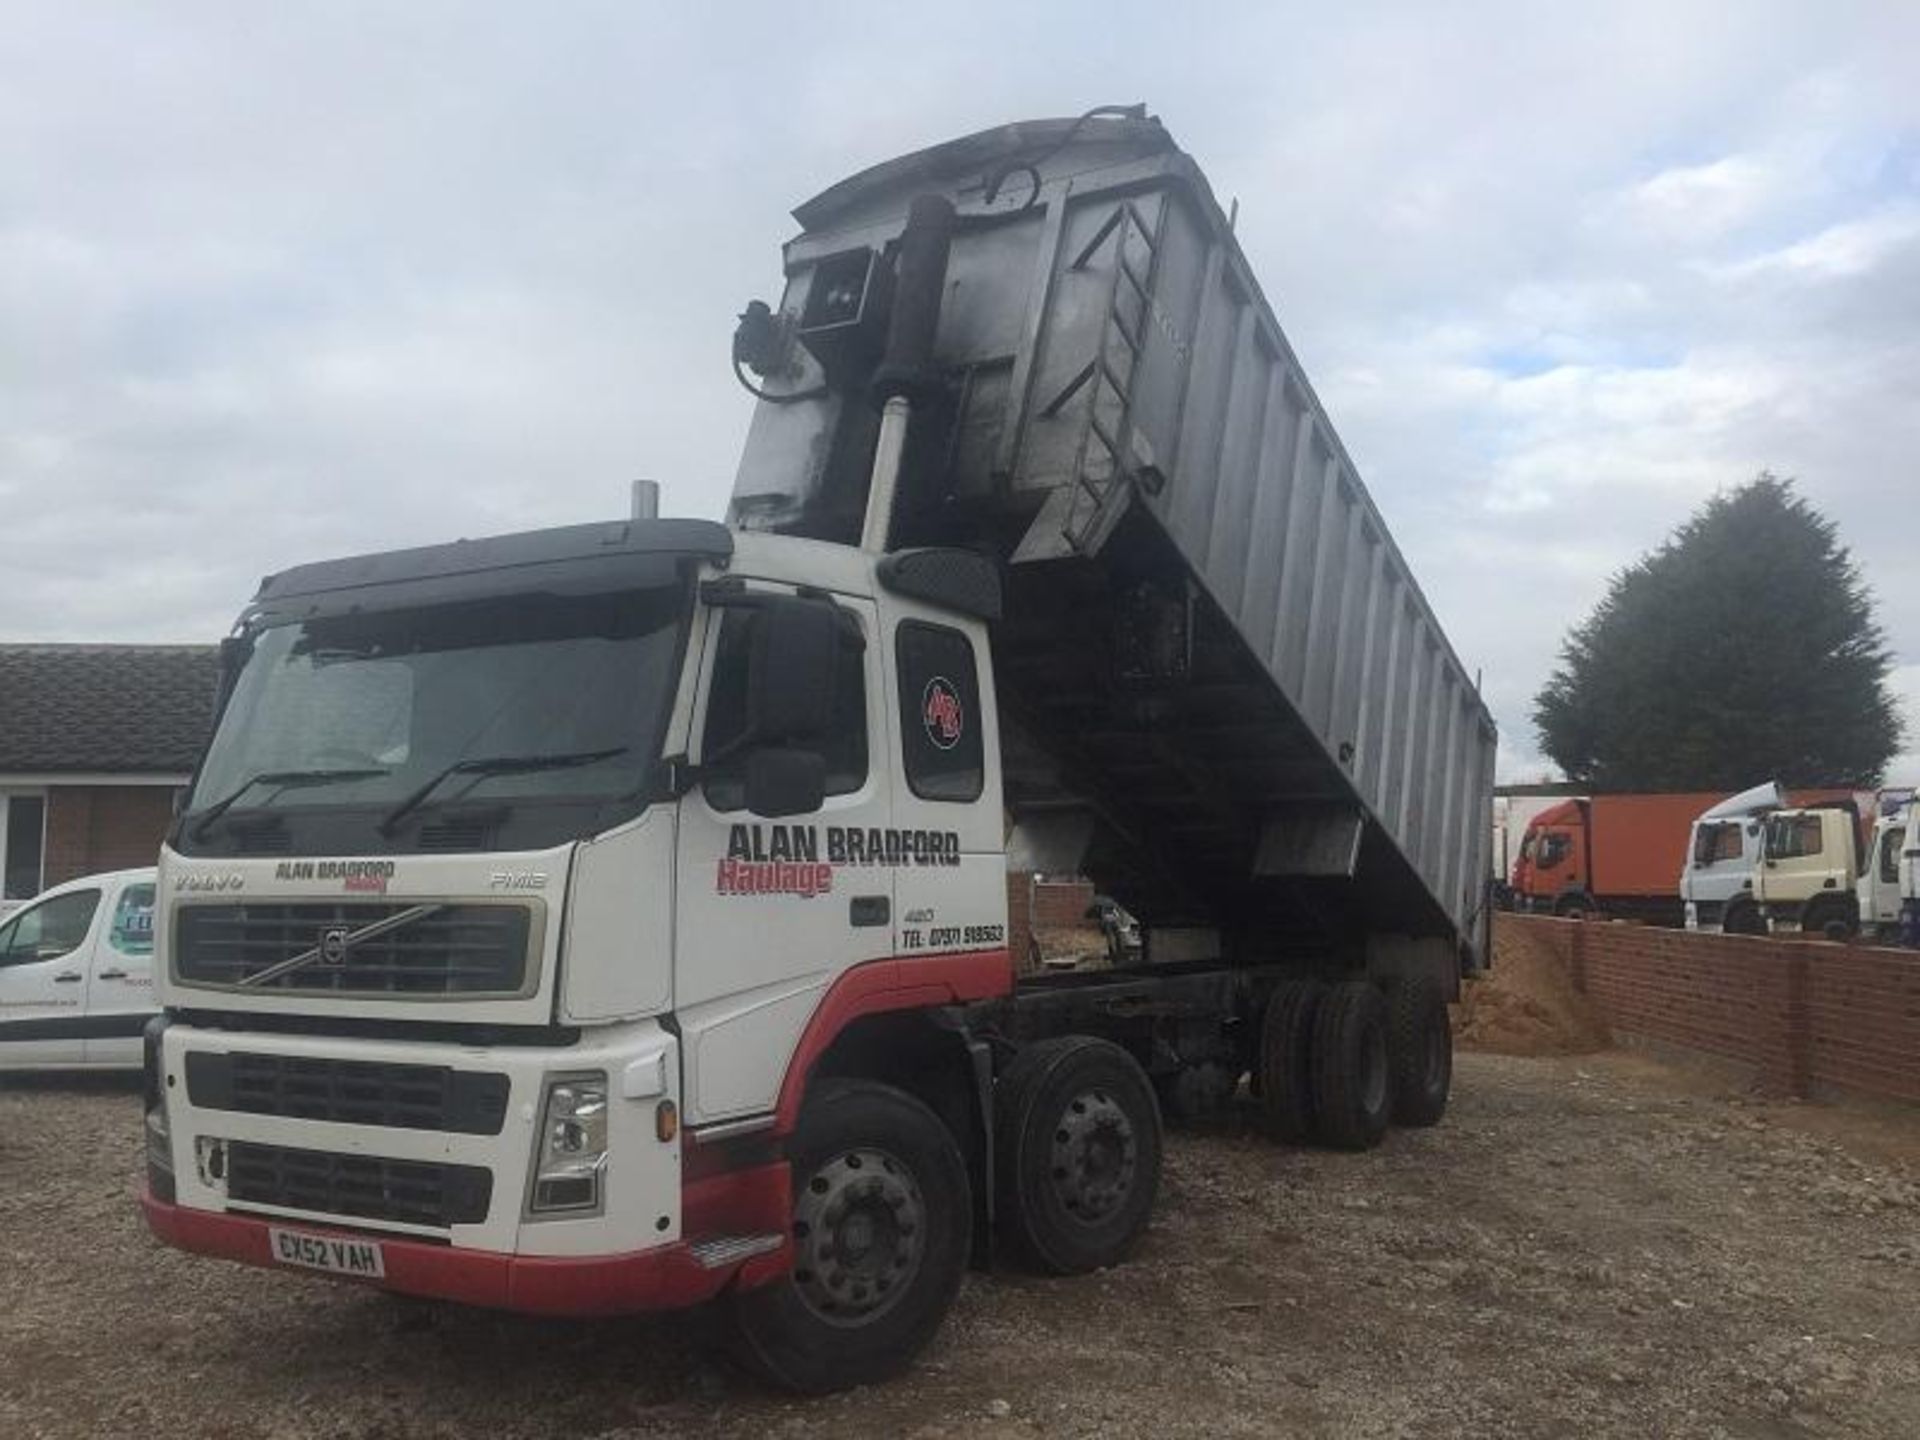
(667, 1278)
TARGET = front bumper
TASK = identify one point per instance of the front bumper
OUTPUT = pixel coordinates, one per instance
(669, 1277)
(658, 1239)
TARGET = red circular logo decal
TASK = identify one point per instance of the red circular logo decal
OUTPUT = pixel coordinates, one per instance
(942, 713)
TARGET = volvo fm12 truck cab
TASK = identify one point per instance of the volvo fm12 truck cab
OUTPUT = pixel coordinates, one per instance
(614, 918)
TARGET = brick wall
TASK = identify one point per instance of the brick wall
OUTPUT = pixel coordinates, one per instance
(95, 828)
(1046, 904)
(1803, 1013)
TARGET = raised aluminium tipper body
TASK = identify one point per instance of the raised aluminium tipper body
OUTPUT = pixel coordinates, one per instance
(614, 917)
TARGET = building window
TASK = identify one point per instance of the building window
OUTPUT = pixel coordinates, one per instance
(23, 827)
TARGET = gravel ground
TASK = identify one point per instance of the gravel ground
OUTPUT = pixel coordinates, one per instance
(1600, 1245)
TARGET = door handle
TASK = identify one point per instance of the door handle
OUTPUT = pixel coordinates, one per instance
(109, 974)
(67, 977)
(868, 910)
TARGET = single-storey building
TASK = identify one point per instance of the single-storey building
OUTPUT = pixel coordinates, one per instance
(95, 742)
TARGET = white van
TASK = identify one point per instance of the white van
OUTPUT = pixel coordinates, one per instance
(76, 975)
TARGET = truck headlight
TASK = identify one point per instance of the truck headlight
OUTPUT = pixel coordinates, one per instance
(570, 1152)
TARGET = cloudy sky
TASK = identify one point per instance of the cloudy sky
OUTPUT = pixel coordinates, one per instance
(291, 280)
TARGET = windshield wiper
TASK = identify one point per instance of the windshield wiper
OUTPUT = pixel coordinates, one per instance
(491, 765)
(278, 778)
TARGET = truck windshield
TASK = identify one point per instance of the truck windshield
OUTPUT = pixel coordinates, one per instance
(383, 705)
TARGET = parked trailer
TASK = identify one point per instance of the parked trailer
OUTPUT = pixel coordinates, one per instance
(614, 918)
(1608, 855)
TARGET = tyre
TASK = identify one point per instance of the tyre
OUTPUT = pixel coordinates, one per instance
(1831, 920)
(1352, 1076)
(1420, 1051)
(1573, 907)
(1077, 1153)
(1743, 919)
(1284, 1064)
(883, 1222)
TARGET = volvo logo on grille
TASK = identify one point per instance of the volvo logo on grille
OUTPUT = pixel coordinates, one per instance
(333, 942)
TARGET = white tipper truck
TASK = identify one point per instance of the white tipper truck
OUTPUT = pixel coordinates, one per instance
(613, 917)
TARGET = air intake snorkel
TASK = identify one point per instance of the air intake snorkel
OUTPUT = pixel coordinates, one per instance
(906, 374)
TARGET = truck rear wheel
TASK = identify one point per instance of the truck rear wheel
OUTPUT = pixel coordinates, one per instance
(1352, 1076)
(883, 1220)
(1836, 920)
(1285, 1062)
(1077, 1152)
(1420, 1046)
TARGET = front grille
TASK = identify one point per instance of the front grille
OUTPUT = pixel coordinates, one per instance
(350, 1092)
(362, 1186)
(440, 950)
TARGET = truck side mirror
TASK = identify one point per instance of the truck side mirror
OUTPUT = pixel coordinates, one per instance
(792, 671)
(782, 780)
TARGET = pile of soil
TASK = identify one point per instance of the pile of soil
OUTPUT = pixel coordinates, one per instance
(1526, 1004)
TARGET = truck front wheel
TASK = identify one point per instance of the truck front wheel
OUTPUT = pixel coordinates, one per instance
(883, 1220)
(1352, 1075)
(1077, 1137)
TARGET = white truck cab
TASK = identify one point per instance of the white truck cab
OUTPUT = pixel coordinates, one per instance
(76, 975)
(1910, 888)
(1809, 869)
(1723, 852)
(1881, 893)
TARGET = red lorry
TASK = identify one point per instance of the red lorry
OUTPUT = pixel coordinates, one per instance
(1614, 855)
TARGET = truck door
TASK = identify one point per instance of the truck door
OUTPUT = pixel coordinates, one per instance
(43, 980)
(1720, 867)
(951, 882)
(1807, 862)
(1880, 884)
(120, 986)
(769, 912)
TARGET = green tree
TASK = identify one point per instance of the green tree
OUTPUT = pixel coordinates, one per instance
(1744, 649)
